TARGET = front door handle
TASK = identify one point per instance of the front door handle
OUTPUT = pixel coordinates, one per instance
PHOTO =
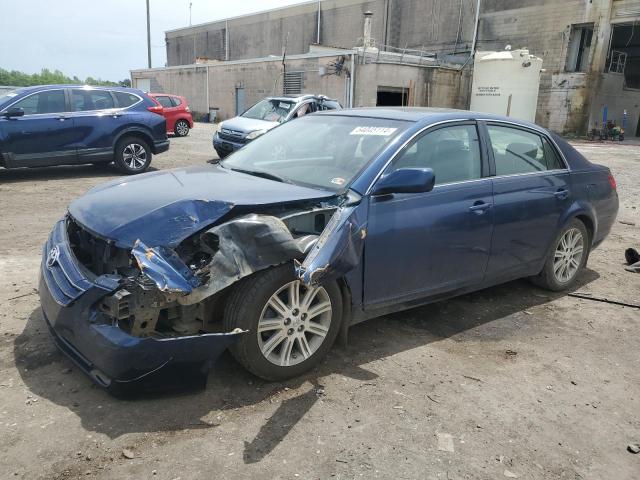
(562, 194)
(62, 118)
(479, 207)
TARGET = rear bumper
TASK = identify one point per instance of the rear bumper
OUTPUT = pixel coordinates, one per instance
(110, 356)
(160, 146)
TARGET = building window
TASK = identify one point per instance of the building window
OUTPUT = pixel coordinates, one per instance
(624, 54)
(293, 83)
(579, 48)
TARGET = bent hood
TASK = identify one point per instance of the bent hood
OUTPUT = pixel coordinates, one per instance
(163, 208)
(246, 125)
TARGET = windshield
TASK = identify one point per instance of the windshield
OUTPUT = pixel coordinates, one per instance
(322, 151)
(7, 96)
(271, 110)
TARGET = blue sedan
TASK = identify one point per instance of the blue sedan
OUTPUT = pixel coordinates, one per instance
(319, 224)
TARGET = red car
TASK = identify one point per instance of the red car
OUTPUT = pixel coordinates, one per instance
(176, 111)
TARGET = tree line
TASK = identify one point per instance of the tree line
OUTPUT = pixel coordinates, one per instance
(15, 78)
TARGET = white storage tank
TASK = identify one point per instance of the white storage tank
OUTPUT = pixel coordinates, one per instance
(506, 83)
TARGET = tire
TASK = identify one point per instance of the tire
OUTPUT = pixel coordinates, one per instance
(132, 155)
(290, 355)
(181, 128)
(554, 276)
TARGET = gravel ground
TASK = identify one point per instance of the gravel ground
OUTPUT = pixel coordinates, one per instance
(510, 382)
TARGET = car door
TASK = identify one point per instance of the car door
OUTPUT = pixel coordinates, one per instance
(43, 135)
(531, 191)
(169, 110)
(97, 120)
(423, 244)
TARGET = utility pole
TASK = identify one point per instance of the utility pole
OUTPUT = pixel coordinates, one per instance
(148, 36)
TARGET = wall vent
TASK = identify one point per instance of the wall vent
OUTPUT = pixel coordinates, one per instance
(293, 83)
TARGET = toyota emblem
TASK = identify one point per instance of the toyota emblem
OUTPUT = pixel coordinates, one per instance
(52, 257)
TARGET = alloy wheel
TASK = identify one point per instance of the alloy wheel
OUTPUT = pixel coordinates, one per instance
(294, 323)
(568, 255)
(182, 129)
(134, 156)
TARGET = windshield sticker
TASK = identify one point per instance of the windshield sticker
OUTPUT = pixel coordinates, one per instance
(338, 181)
(376, 131)
(286, 106)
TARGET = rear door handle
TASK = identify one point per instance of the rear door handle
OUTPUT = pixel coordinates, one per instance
(479, 207)
(62, 118)
(562, 194)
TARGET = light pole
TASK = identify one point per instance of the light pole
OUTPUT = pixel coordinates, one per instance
(148, 36)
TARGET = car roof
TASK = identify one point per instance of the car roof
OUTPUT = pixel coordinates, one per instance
(300, 97)
(425, 115)
(35, 88)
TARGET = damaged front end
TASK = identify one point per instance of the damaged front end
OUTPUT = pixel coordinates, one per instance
(153, 307)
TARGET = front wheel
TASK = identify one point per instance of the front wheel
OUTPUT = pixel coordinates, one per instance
(132, 155)
(181, 128)
(290, 326)
(568, 257)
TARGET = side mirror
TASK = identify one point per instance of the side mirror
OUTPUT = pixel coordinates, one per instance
(406, 180)
(13, 112)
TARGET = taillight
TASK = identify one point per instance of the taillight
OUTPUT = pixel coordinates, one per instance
(187, 108)
(612, 182)
(156, 109)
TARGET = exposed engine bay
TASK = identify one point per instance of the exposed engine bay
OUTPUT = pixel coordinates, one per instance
(176, 292)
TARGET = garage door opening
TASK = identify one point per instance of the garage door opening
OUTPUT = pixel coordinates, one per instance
(624, 54)
(391, 97)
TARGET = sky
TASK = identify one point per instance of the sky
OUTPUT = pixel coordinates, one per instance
(102, 39)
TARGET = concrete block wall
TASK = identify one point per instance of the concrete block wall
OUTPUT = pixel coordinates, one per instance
(432, 87)
(543, 26)
(263, 34)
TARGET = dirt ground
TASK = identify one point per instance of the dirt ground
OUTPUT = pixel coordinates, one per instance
(510, 382)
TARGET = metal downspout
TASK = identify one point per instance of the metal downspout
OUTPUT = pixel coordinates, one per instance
(318, 33)
(475, 29)
(352, 82)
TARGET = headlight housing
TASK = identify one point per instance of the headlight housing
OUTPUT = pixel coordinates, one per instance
(255, 134)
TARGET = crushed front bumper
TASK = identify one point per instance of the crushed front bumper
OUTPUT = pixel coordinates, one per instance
(225, 147)
(69, 296)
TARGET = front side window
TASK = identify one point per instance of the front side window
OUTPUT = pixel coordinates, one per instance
(165, 102)
(87, 100)
(50, 101)
(518, 151)
(453, 153)
(271, 110)
(305, 109)
(326, 151)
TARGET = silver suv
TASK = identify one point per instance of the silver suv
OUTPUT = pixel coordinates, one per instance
(268, 113)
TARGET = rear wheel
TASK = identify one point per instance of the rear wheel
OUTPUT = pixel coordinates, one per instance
(291, 326)
(132, 155)
(181, 128)
(568, 257)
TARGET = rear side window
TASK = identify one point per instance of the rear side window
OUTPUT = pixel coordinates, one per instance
(86, 100)
(453, 153)
(518, 151)
(165, 102)
(50, 101)
(125, 99)
(176, 101)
